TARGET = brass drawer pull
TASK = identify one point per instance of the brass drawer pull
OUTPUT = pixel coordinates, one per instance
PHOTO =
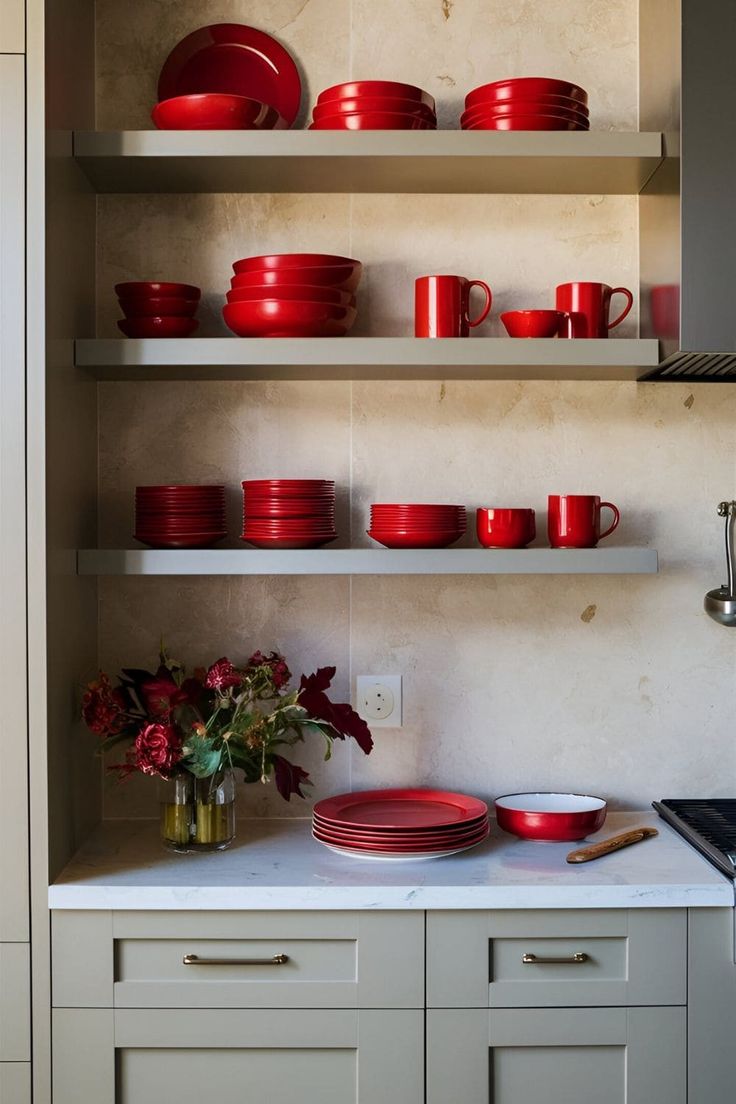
(195, 960)
(572, 960)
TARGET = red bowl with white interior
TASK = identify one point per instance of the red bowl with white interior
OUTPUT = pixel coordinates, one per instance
(216, 111)
(550, 816)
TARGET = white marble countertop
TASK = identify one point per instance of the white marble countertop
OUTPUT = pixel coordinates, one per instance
(275, 864)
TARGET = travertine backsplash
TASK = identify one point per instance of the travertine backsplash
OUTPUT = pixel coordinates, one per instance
(618, 685)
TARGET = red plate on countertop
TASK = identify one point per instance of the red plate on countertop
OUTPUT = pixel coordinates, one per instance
(400, 808)
(404, 848)
(416, 840)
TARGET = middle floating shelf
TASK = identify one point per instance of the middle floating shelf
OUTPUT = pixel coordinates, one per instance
(367, 358)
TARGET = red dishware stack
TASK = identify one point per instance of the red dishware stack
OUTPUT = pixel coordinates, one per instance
(293, 295)
(289, 513)
(527, 103)
(374, 105)
(228, 77)
(180, 515)
(414, 525)
(400, 824)
(155, 308)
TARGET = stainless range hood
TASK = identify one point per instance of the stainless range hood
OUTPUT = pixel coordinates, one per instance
(688, 211)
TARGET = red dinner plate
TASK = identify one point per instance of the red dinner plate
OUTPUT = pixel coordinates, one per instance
(216, 111)
(402, 848)
(400, 808)
(358, 89)
(525, 88)
(388, 838)
(236, 59)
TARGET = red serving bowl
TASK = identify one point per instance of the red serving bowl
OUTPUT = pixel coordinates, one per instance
(567, 103)
(550, 816)
(352, 90)
(167, 307)
(195, 540)
(157, 327)
(373, 103)
(525, 88)
(343, 277)
(374, 120)
(291, 261)
(288, 318)
(148, 289)
(431, 538)
(216, 111)
(526, 122)
(304, 293)
(518, 107)
(288, 542)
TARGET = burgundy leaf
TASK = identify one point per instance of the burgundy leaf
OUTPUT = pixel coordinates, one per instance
(340, 716)
(289, 777)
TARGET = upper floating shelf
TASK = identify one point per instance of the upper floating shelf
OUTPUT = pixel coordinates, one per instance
(443, 161)
(368, 358)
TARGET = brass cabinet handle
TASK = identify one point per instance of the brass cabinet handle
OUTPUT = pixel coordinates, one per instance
(571, 960)
(195, 960)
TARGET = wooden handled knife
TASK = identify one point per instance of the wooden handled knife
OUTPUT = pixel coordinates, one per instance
(615, 843)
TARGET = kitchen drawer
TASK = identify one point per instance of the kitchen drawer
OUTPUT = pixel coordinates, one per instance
(15, 1002)
(608, 958)
(332, 959)
(15, 1083)
(12, 26)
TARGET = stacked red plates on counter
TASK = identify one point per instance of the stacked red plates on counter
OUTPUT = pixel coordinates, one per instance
(289, 513)
(293, 295)
(180, 516)
(400, 824)
(414, 525)
(157, 308)
(527, 103)
(228, 77)
(374, 105)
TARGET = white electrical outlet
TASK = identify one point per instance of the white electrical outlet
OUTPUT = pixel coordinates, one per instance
(378, 700)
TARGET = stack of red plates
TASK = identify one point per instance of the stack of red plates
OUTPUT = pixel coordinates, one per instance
(180, 516)
(374, 105)
(414, 525)
(293, 295)
(289, 513)
(157, 308)
(400, 824)
(527, 103)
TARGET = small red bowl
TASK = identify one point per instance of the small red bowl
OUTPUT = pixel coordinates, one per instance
(526, 122)
(158, 327)
(431, 538)
(216, 111)
(148, 289)
(372, 103)
(169, 306)
(525, 107)
(344, 277)
(565, 103)
(550, 816)
(352, 90)
(525, 88)
(288, 318)
(514, 527)
(533, 323)
(301, 292)
(375, 120)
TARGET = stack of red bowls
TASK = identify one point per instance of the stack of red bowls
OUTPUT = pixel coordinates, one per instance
(289, 513)
(374, 105)
(527, 103)
(415, 525)
(155, 308)
(180, 515)
(293, 295)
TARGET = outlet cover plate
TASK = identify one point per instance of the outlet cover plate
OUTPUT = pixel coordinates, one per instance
(378, 700)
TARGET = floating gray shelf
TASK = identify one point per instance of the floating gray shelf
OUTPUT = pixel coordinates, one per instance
(445, 161)
(369, 561)
(368, 358)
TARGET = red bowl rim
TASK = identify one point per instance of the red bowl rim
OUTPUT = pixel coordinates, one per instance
(273, 261)
(575, 91)
(596, 806)
(146, 289)
(371, 88)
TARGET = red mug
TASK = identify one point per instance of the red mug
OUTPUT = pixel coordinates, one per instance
(589, 305)
(442, 306)
(505, 528)
(574, 521)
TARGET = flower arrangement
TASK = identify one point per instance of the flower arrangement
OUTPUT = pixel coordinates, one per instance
(221, 719)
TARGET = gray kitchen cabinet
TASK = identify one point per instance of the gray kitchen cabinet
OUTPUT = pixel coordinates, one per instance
(15, 1083)
(12, 26)
(126, 1056)
(15, 1011)
(557, 1056)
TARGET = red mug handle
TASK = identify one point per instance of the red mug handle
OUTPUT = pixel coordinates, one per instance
(489, 300)
(625, 311)
(616, 519)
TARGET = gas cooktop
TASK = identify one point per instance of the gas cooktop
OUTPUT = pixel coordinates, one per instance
(708, 824)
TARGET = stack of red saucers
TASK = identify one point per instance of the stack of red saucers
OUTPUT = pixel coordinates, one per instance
(374, 105)
(153, 308)
(289, 513)
(527, 103)
(180, 516)
(400, 824)
(293, 295)
(414, 525)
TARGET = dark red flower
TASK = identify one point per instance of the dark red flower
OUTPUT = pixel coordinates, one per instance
(157, 749)
(103, 708)
(289, 777)
(279, 672)
(340, 716)
(161, 694)
(222, 675)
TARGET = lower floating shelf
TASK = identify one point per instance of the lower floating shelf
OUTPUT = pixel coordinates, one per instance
(370, 561)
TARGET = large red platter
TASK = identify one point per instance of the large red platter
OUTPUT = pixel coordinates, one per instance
(401, 808)
(233, 58)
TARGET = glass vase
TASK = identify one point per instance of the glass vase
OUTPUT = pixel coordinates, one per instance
(198, 814)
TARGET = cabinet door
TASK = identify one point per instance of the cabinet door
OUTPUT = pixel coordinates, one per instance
(12, 26)
(139, 1056)
(13, 734)
(559, 1056)
(15, 1083)
(15, 1007)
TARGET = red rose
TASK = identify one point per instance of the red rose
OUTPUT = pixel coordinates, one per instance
(157, 749)
(222, 675)
(162, 694)
(279, 672)
(103, 708)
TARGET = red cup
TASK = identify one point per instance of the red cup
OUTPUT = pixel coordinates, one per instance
(665, 308)
(589, 305)
(442, 306)
(574, 521)
(536, 323)
(505, 528)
